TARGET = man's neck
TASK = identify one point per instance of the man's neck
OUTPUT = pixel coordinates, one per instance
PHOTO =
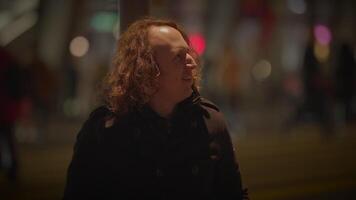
(162, 106)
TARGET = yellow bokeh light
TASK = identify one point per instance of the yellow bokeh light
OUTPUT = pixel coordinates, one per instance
(321, 52)
(261, 70)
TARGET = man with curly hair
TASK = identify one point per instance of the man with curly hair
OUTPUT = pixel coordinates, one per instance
(155, 137)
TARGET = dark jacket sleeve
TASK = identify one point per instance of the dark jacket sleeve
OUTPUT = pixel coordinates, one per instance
(83, 173)
(228, 182)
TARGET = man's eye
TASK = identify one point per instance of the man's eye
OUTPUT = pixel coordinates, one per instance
(180, 57)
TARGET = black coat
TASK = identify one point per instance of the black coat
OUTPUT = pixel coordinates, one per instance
(144, 156)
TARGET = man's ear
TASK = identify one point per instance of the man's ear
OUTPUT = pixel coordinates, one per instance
(150, 90)
(157, 69)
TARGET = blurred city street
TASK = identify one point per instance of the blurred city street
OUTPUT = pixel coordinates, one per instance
(301, 164)
(282, 72)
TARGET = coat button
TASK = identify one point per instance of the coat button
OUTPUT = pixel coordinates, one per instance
(214, 157)
(109, 122)
(159, 173)
(195, 170)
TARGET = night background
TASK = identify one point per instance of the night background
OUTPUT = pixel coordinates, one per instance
(282, 71)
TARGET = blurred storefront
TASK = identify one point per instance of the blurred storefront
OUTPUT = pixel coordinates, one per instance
(266, 41)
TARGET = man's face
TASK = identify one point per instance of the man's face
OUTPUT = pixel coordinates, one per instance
(175, 62)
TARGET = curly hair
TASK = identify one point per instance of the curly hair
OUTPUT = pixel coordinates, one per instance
(133, 76)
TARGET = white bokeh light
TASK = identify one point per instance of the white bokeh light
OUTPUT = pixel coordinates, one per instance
(297, 6)
(79, 46)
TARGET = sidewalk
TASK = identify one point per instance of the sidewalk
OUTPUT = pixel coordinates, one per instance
(302, 164)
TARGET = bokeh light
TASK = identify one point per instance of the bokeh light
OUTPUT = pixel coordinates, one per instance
(322, 34)
(297, 6)
(104, 21)
(79, 46)
(321, 52)
(261, 70)
(198, 42)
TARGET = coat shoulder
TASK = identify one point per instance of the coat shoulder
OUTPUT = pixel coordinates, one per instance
(99, 112)
(209, 104)
(92, 124)
(214, 118)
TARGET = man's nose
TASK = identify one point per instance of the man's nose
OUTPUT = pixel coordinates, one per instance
(190, 62)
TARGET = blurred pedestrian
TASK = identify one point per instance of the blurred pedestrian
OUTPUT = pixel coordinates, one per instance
(316, 105)
(345, 79)
(12, 93)
(156, 137)
(43, 87)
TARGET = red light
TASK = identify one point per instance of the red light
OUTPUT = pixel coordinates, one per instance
(198, 42)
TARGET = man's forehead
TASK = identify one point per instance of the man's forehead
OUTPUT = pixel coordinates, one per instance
(166, 37)
(163, 29)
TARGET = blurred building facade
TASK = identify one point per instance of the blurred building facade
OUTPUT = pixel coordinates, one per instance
(266, 42)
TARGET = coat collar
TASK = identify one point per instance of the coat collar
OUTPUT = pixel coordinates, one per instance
(185, 107)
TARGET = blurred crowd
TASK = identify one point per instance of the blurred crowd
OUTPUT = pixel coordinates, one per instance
(27, 97)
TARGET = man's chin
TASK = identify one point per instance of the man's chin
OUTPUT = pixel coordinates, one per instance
(188, 92)
(184, 94)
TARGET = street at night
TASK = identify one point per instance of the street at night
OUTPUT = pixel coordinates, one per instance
(300, 164)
